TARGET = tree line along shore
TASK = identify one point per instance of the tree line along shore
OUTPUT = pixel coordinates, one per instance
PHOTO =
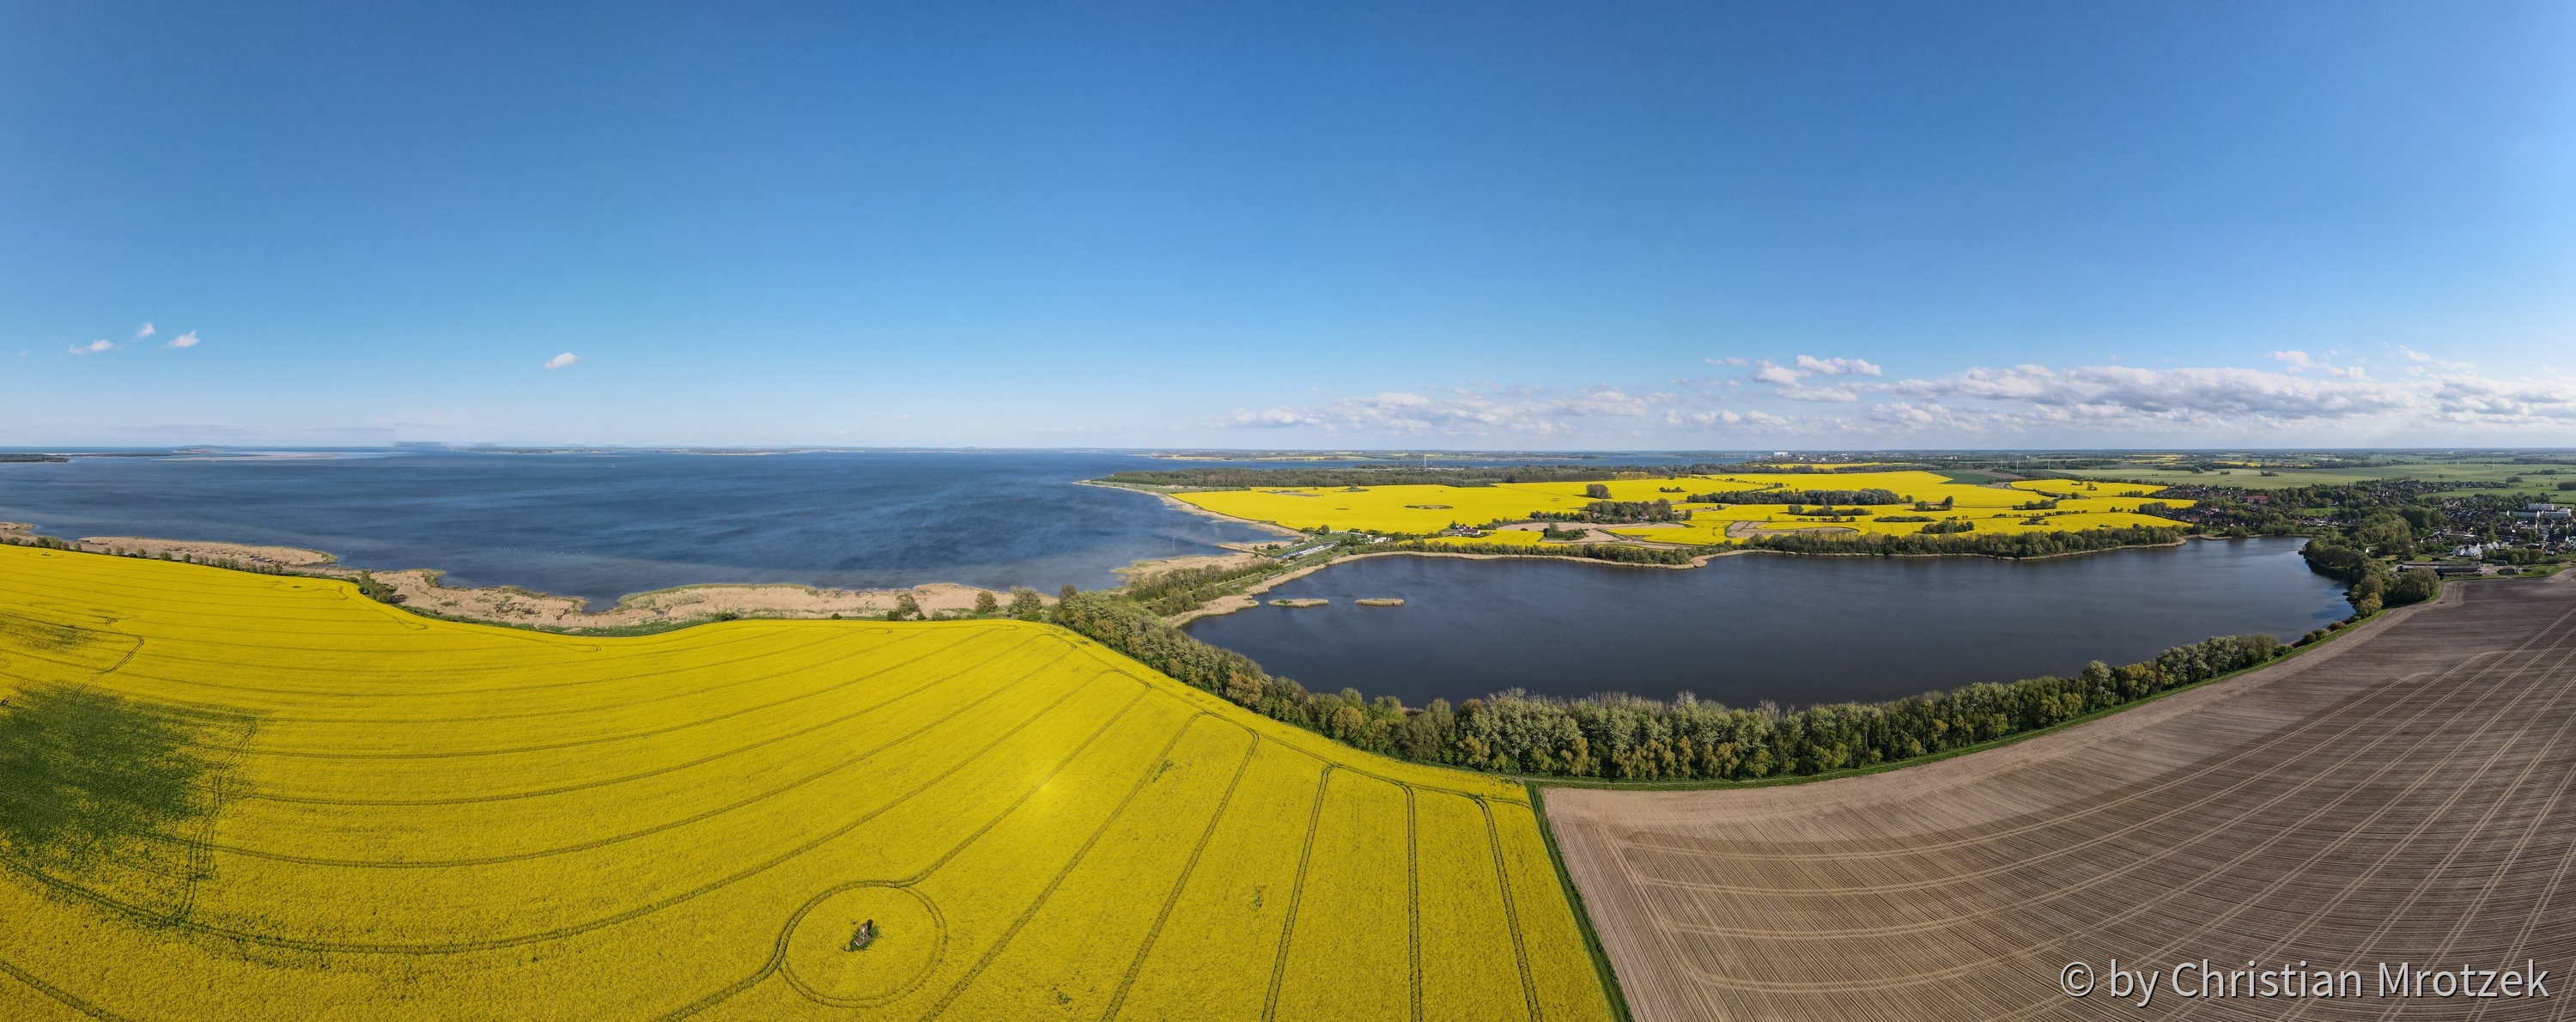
(2362, 533)
(1607, 737)
(2363, 539)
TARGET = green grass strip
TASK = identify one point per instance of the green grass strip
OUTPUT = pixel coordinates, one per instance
(1582, 914)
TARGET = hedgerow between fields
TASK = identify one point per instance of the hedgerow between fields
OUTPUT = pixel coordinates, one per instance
(1626, 738)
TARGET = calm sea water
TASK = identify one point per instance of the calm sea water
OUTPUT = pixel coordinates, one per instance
(1795, 630)
(1744, 629)
(604, 525)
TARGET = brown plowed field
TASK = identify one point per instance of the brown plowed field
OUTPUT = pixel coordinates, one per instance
(2399, 795)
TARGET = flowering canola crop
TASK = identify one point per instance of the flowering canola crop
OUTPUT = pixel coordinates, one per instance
(1422, 509)
(385, 816)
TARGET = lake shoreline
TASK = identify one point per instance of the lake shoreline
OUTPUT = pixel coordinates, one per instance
(1750, 629)
(421, 589)
(1244, 601)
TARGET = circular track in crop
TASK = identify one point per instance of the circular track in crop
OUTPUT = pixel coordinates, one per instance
(823, 963)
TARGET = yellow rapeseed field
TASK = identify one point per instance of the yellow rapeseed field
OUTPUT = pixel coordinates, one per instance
(320, 807)
(1412, 509)
(1426, 509)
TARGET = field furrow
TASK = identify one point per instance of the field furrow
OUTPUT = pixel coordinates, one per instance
(320, 807)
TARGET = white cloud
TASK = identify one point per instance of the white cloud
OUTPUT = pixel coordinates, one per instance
(1802, 392)
(2425, 361)
(2228, 402)
(2159, 399)
(560, 361)
(1726, 361)
(2308, 399)
(1272, 418)
(186, 340)
(143, 331)
(1468, 413)
(1723, 417)
(2474, 400)
(92, 347)
(2299, 362)
(1790, 384)
(1810, 366)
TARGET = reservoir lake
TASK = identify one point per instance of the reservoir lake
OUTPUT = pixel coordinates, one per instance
(1757, 627)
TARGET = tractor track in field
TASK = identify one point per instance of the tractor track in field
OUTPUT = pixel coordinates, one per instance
(1145, 948)
(1296, 895)
(604, 782)
(150, 917)
(935, 762)
(666, 825)
(2401, 800)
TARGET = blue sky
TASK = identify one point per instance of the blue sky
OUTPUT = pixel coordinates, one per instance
(1685, 226)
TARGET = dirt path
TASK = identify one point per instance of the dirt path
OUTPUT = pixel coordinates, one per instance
(1746, 529)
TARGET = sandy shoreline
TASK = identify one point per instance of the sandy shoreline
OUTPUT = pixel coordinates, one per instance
(1178, 504)
(420, 589)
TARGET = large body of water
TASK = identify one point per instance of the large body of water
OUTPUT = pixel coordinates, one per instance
(608, 524)
(1795, 630)
(1742, 630)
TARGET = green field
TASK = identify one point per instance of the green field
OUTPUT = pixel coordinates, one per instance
(2536, 479)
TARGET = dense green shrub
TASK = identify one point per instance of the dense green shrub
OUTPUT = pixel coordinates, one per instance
(1621, 737)
(2017, 544)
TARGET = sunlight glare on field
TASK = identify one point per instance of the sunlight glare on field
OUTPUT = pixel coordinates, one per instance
(326, 808)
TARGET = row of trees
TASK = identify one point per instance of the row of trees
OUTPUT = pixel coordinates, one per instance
(1025, 605)
(1617, 553)
(2364, 554)
(1871, 496)
(1625, 738)
(2018, 544)
(1614, 512)
(1181, 590)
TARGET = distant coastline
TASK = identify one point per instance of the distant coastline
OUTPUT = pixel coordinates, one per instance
(421, 590)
